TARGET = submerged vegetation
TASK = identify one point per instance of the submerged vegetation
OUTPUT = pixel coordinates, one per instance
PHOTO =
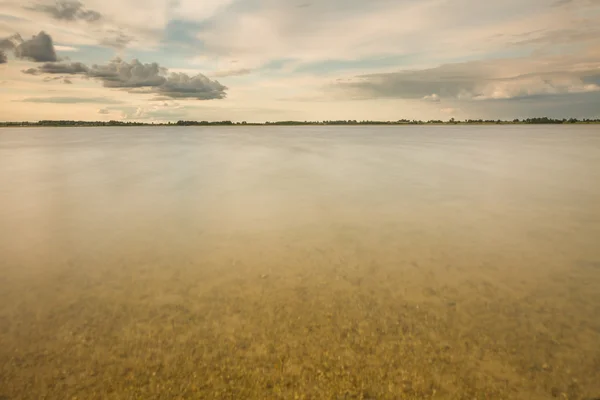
(452, 121)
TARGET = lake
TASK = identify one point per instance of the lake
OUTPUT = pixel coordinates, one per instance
(445, 262)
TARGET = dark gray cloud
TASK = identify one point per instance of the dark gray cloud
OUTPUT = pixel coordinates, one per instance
(199, 87)
(39, 48)
(137, 77)
(71, 100)
(152, 78)
(31, 71)
(3, 58)
(6, 45)
(11, 43)
(68, 10)
(64, 80)
(120, 74)
(74, 68)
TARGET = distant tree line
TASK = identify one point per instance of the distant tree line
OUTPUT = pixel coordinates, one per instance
(451, 121)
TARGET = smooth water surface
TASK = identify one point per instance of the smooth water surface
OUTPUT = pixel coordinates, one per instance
(394, 262)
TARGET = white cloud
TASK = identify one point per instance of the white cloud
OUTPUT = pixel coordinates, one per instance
(432, 97)
(66, 48)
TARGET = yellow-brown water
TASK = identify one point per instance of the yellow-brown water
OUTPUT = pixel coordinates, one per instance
(300, 263)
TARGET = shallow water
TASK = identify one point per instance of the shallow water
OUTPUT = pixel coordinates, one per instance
(300, 262)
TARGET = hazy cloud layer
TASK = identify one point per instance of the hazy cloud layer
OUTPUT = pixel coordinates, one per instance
(232, 72)
(480, 80)
(117, 40)
(68, 10)
(71, 100)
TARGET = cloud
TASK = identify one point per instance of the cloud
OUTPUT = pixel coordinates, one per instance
(3, 58)
(68, 10)
(59, 68)
(71, 100)
(193, 10)
(120, 74)
(104, 111)
(11, 43)
(480, 80)
(64, 80)
(39, 48)
(180, 85)
(31, 71)
(232, 72)
(137, 77)
(144, 22)
(66, 48)
(117, 40)
(555, 37)
(329, 34)
(434, 98)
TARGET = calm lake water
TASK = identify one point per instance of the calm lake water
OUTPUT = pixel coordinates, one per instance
(441, 262)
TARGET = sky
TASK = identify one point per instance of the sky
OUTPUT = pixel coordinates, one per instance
(275, 60)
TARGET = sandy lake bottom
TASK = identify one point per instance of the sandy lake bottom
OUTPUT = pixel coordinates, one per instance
(300, 263)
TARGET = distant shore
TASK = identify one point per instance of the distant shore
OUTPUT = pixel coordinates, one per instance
(528, 121)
